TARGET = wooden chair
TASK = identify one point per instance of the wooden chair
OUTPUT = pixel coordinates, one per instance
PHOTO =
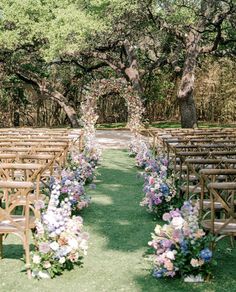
(208, 176)
(19, 225)
(223, 192)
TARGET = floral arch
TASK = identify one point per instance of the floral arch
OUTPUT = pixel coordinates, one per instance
(104, 86)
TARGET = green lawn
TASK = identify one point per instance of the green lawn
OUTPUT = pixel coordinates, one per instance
(162, 125)
(120, 230)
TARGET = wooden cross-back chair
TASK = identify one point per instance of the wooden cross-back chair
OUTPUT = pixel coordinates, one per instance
(225, 193)
(208, 176)
(19, 225)
(194, 166)
(26, 172)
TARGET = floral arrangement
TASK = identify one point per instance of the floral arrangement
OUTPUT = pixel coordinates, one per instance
(84, 171)
(181, 246)
(72, 187)
(143, 156)
(157, 166)
(59, 238)
(160, 194)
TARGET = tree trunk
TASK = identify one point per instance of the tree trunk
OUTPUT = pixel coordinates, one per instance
(68, 109)
(132, 70)
(188, 112)
(185, 92)
(46, 88)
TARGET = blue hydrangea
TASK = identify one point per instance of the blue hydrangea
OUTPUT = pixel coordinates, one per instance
(206, 254)
(159, 273)
(164, 189)
(184, 246)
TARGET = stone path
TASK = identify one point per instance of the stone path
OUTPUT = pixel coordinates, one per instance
(113, 139)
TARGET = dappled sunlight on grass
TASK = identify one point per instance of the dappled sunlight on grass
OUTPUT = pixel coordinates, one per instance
(103, 200)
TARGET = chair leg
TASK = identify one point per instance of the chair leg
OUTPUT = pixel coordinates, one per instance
(1, 246)
(27, 254)
(232, 241)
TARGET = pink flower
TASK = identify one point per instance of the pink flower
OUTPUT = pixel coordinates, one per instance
(166, 217)
(168, 265)
(151, 180)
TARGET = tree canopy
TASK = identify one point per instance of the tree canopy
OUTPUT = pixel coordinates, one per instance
(53, 45)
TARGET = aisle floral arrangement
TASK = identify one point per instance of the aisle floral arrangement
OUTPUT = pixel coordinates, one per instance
(60, 242)
(160, 194)
(59, 238)
(181, 247)
(160, 191)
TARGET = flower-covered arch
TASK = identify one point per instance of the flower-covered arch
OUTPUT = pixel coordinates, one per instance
(102, 87)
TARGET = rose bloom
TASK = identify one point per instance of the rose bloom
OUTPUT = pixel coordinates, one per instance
(168, 265)
(62, 240)
(73, 257)
(44, 247)
(196, 262)
(157, 229)
(200, 233)
(177, 222)
(166, 217)
(62, 260)
(47, 265)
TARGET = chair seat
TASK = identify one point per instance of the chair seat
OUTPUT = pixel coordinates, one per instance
(217, 205)
(32, 198)
(192, 178)
(207, 205)
(229, 229)
(222, 186)
(192, 189)
(6, 226)
(17, 184)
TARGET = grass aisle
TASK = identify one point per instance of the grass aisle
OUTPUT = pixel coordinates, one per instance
(119, 231)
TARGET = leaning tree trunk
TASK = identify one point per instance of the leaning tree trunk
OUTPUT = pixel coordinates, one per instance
(68, 109)
(185, 92)
(45, 88)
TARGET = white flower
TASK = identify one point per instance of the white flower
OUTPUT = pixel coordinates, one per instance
(177, 222)
(47, 265)
(170, 255)
(43, 275)
(54, 245)
(73, 243)
(62, 260)
(193, 279)
(36, 259)
(157, 229)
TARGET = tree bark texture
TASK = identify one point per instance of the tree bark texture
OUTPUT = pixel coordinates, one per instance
(46, 88)
(185, 91)
(131, 71)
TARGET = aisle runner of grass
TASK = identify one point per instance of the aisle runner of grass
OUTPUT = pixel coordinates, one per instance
(119, 231)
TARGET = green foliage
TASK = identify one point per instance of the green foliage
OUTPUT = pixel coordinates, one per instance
(61, 26)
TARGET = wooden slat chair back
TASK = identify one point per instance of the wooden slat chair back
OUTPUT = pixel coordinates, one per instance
(26, 172)
(19, 225)
(225, 193)
(208, 176)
